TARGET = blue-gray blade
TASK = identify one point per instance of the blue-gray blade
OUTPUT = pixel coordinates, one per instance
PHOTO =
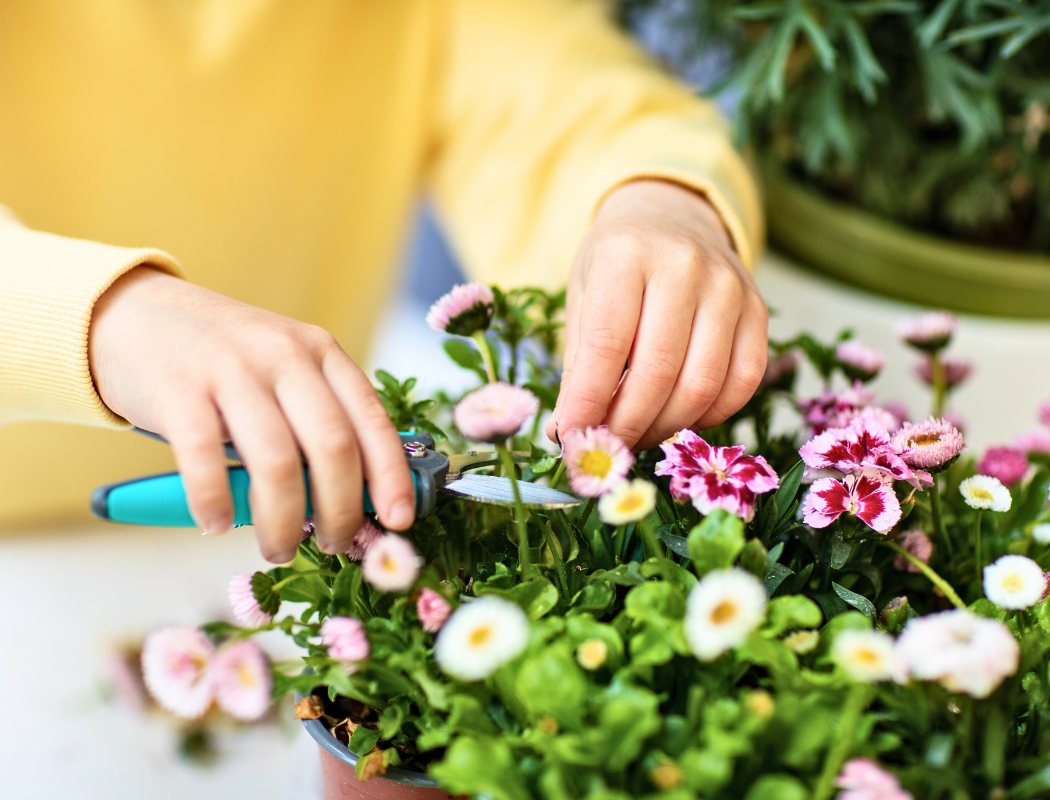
(490, 489)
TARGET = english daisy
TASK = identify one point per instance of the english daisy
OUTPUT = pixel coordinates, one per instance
(866, 656)
(242, 682)
(1004, 463)
(985, 492)
(1014, 582)
(345, 639)
(928, 444)
(480, 637)
(596, 460)
(931, 331)
(1036, 440)
(366, 536)
(592, 654)
(176, 663)
(1041, 533)
(494, 412)
(866, 495)
(246, 606)
(864, 779)
(722, 611)
(919, 545)
(859, 361)
(628, 501)
(391, 564)
(432, 610)
(463, 311)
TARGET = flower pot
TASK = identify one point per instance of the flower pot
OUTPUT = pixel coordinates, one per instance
(340, 780)
(881, 256)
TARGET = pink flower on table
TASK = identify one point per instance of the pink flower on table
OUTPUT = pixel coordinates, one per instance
(176, 668)
(928, 444)
(363, 540)
(931, 331)
(867, 495)
(246, 607)
(956, 370)
(345, 639)
(242, 681)
(859, 361)
(391, 564)
(864, 779)
(715, 477)
(1036, 440)
(919, 545)
(494, 412)
(432, 609)
(596, 460)
(864, 444)
(1005, 463)
(464, 310)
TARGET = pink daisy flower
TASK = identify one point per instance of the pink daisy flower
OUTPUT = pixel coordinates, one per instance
(494, 412)
(464, 310)
(246, 608)
(1044, 413)
(1005, 463)
(864, 779)
(930, 331)
(345, 639)
(176, 665)
(715, 477)
(956, 370)
(864, 444)
(242, 681)
(1036, 440)
(928, 444)
(859, 361)
(919, 545)
(432, 609)
(596, 460)
(391, 564)
(365, 537)
(865, 495)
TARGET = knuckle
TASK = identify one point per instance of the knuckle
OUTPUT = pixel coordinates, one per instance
(606, 343)
(339, 444)
(700, 389)
(660, 367)
(748, 374)
(278, 469)
(626, 246)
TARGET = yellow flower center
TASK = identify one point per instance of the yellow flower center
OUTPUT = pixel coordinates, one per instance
(245, 676)
(389, 564)
(1013, 583)
(479, 636)
(723, 612)
(596, 463)
(924, 439)
(982, 494)
(866, 656)
(631, 502)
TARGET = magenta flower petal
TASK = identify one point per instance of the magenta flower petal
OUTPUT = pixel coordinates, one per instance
(864, 444)
(1005, 463)
(367, 535)
(865, 495)
(919, 545)
(955, 371)
(825, 502)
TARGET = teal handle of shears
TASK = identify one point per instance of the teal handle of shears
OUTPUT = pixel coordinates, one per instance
(161, 500)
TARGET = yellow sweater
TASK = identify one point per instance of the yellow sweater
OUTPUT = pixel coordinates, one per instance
(274, 147)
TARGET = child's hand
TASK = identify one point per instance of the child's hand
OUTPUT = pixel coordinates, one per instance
(200, 368)
(657, 282)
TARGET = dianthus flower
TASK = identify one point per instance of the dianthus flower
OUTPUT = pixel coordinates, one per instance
(715, 477)
(928, 444)
(494, 412)
(596, 460)
(1005, 463)
(955, 371)
(825, 410)
(866, 495)
(864, 444)
(859, 361)
(463, 311)
(931, 331)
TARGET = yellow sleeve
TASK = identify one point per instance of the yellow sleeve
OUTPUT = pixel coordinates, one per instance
(543, 107)
(48, 287)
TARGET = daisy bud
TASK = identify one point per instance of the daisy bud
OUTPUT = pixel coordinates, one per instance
(955, 371)
(463, 311)
(985, 492)
(802, 642)
(253, 599)
(864, 779)
(919, 545)
(345, 639)
(760, 703)
(176, 664)
(596, 460)
(930, 332)
(930, 444)
(241, 675)
(896, 615)
(866, 656)
(366, 536)
(722, 611)
(432, 610)
(858, 361)
(480, 637)
(592, 654)
(391, 564)
(494, 412)
(628, 501)
(1014, 582)
(1041, 533)
(1006, 464)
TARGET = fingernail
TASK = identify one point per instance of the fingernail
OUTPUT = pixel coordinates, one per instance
(334, 548)
(402, 514)
(219, 529)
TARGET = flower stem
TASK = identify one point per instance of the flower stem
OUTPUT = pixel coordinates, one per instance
(343, 560)
(587, 509)
(940, 388)
(524, 562)
(978, 562)
(325, 572)
(652, 544)
(926, 570)
(845, 734)
(557, 475)
(935, 512)
(486, 354)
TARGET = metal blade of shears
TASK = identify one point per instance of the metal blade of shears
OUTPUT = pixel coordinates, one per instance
(490, 489)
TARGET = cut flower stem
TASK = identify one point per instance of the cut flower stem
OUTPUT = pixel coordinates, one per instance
(927, 570)
(524, 563)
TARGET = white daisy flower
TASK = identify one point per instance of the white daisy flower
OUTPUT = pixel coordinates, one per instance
(723, 609)
(984, 491)
(627, 501)
(866, 656)
(1041, 533)
(1014, 582)
(480, 637)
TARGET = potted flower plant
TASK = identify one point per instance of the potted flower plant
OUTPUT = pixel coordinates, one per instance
(853, 607)
(903, 142)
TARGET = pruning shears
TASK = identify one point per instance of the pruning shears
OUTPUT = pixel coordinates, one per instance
(161, 499)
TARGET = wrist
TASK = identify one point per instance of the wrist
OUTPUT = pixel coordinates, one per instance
(672, 201)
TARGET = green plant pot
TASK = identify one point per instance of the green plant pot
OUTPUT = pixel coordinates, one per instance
(872, 253)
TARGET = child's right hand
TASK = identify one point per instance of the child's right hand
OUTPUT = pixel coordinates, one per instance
(200, 368)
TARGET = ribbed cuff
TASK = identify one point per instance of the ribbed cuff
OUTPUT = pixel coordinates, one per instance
(48, 288)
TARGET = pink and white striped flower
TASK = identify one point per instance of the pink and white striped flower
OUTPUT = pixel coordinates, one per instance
(859, 361)
(867, 495)
(715, 477)
(241, 680)
(494, 412)
(464, 310)
(864, 779)
(864, 444)
(596, 460)
(176, 668)
(1005, 463)
(345, 639)
(432, 610)
(366, 536)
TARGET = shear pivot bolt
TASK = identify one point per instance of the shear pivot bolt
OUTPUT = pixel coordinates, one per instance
(415, 449)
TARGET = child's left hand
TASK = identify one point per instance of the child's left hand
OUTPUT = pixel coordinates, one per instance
(657, 283)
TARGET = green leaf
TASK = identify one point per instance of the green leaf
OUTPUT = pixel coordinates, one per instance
(480, 766)
(551, 683)
(788, 489)
(777, 787)
(716, 542)
(1032, 786)
(346, 592)
(595, 596)
(464, 354)
(775, 575)
(468, 715)
(676, 544)
(390, 720)
(753, 558)
(858, 601)
(655, 599)
(536, 595)
(790, 612)
(363, 740)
